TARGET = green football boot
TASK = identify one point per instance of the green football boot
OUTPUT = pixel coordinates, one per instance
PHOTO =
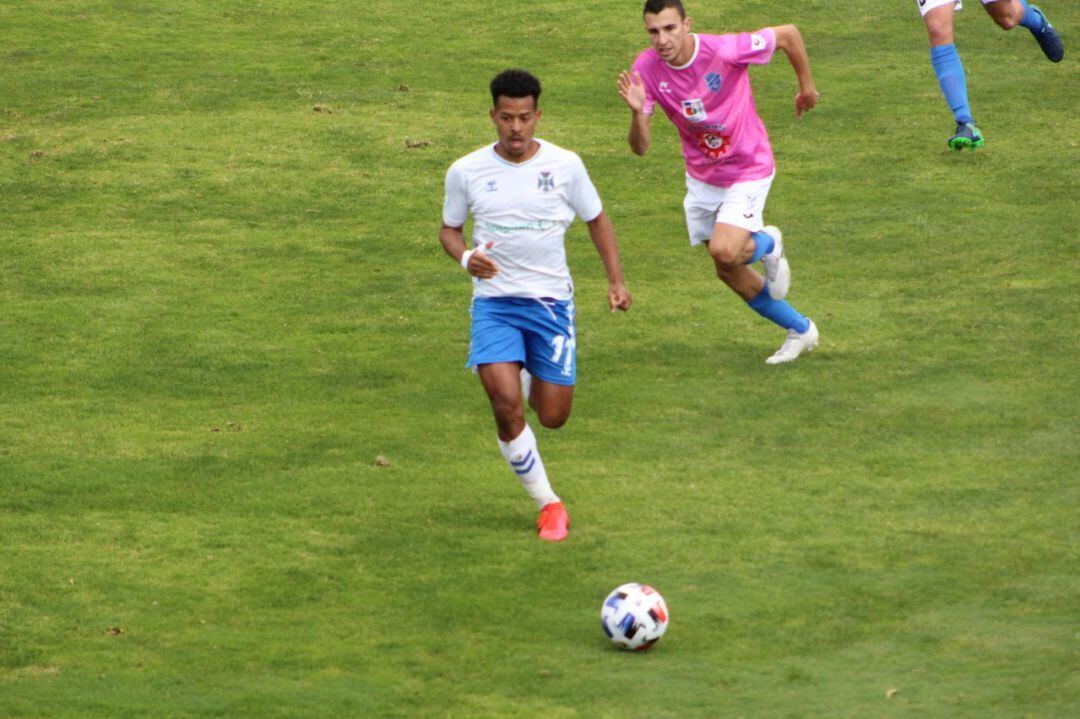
(966, 135)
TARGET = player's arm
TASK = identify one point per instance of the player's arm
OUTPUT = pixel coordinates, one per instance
(789, 39)
(632, 90)
(475, 262)
(602, 233)
(456, 210)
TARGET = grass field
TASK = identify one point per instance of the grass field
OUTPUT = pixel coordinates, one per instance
(222, 298)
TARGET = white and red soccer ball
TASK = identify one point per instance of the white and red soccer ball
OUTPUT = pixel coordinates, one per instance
(634, 616)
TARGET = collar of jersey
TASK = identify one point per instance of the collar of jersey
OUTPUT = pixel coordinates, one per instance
(697, 46)
(504, 161)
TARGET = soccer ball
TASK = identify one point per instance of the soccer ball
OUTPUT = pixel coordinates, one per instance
(634, 616)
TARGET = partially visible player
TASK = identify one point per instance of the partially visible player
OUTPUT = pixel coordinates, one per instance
(702, 84)
(938, 16)
(523, 193)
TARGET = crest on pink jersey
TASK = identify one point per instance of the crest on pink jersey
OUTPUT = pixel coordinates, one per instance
(694, 110)
(713, 144)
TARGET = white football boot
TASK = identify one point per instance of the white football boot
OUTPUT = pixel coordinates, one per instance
(795, 345)
(777, 271)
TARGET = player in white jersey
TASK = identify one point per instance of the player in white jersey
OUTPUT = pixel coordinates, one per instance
(523, 193)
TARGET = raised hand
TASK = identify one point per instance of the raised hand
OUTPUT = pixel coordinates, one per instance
(632, 89)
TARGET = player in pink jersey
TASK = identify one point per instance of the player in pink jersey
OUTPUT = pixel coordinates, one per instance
(702, 84)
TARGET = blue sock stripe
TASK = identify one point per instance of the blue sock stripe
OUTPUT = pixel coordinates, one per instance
(950, 74)
(526, 470)
(522, 461)
(763, 245)
(778, 311)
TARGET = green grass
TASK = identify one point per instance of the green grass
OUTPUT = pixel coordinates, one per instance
(222, 298)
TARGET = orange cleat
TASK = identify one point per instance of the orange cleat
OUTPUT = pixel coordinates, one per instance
(553, 522)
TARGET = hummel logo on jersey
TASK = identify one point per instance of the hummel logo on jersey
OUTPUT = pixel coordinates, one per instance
(491, 186)
(694, 110)
(545, 182)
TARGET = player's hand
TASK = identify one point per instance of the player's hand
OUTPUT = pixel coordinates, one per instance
(480, 265)
(618, 297)
(632, 89)
(806, 100)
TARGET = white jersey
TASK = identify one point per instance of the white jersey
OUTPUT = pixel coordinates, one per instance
(524, 209)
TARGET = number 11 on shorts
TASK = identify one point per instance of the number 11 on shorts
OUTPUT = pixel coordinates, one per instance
(563, 344)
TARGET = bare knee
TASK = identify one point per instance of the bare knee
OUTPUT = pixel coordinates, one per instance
(1006, 22)
(730, 247)
(553, 418)
(940, 37)
(725, 257)
(939, 25)
(1006, 13)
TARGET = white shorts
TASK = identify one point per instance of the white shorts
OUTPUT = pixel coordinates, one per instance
(926, 6)
(742, 205)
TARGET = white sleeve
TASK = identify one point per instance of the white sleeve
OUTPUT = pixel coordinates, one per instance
(456, 202)
(583, 195)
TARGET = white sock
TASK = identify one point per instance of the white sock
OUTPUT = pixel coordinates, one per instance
(524, 458)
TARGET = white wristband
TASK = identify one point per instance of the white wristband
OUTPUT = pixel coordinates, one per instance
(465, 258)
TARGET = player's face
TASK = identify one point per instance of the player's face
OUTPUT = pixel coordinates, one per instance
(515, 120)
(670, 35)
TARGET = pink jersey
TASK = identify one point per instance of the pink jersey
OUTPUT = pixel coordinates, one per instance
(710, 101)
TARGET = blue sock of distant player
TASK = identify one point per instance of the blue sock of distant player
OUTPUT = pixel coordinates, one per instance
(779, 311)
(1033, 18)
(953, 81)
(763, 245)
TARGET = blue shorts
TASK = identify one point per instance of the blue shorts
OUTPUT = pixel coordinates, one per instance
(539, 333)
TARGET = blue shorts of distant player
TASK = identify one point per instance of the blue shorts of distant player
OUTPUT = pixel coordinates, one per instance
(538, 332)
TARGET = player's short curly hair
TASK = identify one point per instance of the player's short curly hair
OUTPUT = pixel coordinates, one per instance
(655, 7)
(515, 83)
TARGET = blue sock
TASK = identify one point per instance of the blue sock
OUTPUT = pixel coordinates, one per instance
(950, 75)
(1033, 19)
(779, 311)
(763, 245)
